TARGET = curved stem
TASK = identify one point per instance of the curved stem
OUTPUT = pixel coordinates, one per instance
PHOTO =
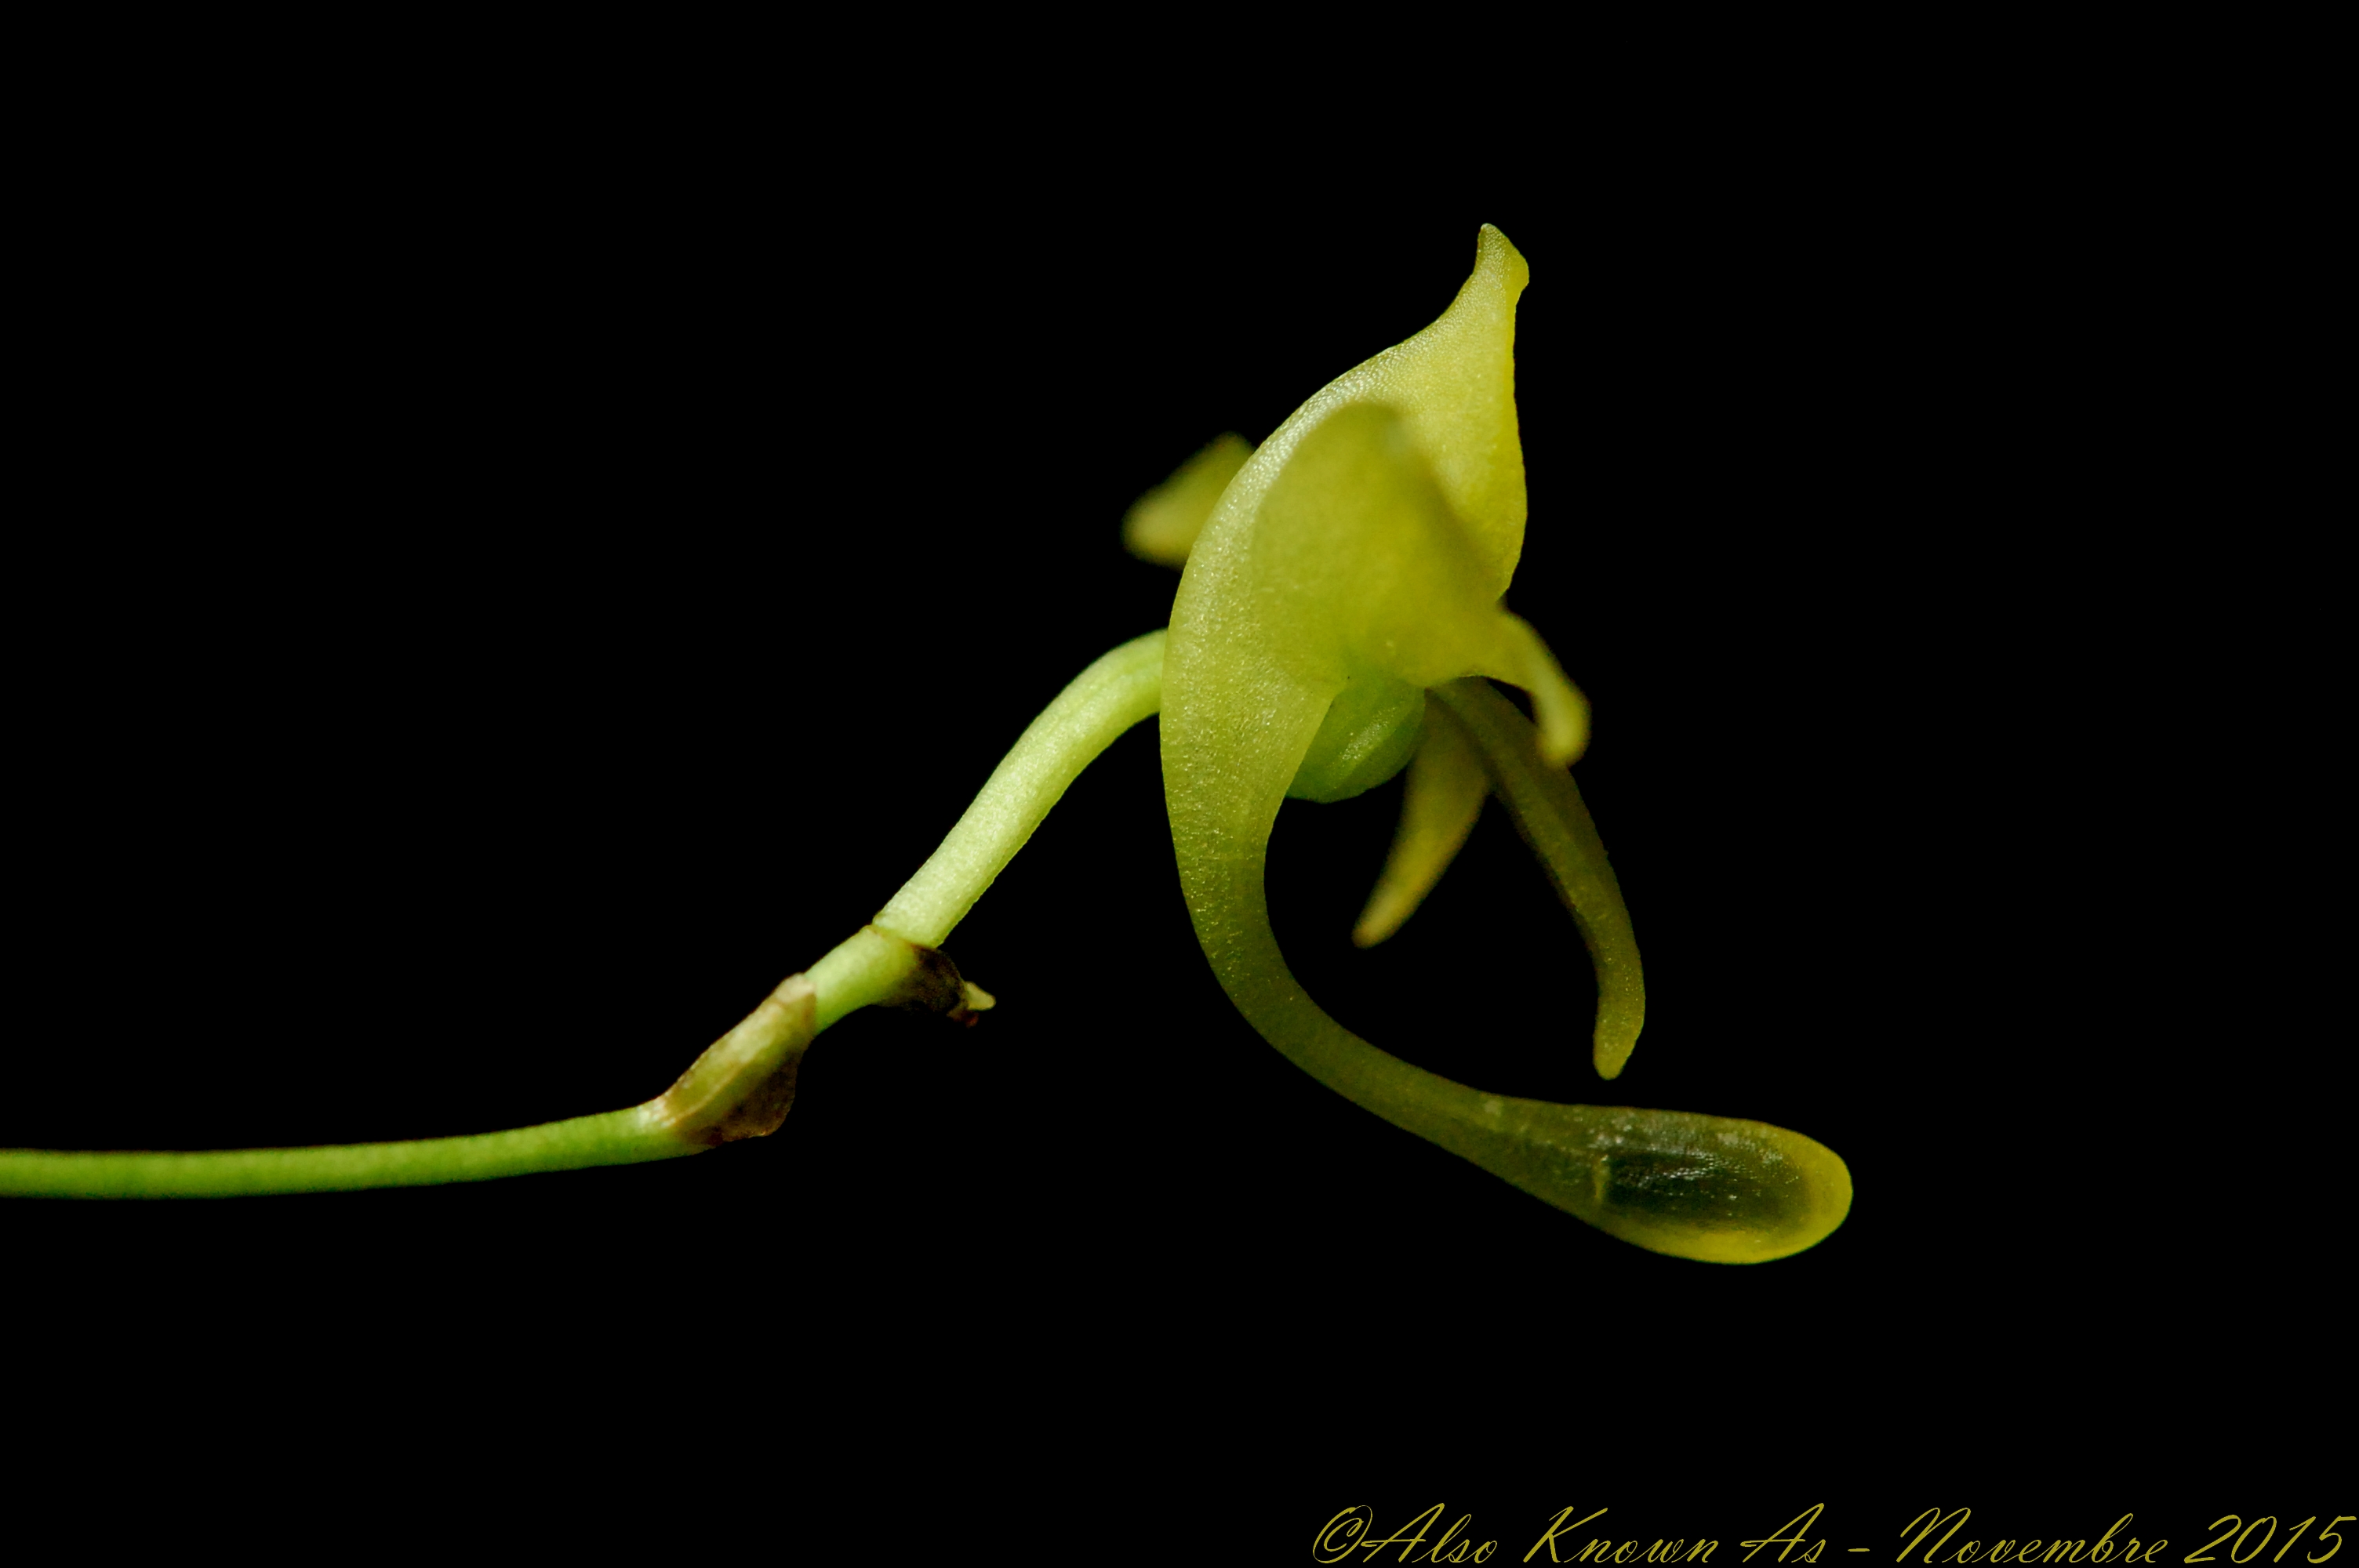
(741, 1086)
(1105, 699)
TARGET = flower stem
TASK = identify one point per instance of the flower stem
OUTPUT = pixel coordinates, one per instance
(1105, 699)
(743, 1084)
(615, 1138)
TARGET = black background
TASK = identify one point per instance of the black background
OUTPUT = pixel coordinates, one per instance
(499, 609)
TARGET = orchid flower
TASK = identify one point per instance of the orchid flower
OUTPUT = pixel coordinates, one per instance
(1337, 616)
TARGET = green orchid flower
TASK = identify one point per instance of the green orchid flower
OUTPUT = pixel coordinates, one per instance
(1337, 617)
(1339, 605)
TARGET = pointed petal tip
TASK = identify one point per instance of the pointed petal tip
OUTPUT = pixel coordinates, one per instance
(1493, 249)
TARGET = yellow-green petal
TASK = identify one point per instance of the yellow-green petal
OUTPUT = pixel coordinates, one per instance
(1454, 385)
(1163, 526)
(1444, 794)
(1547, 809)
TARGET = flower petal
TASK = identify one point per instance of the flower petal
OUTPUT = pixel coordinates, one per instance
(1163, 526)
(1547, 811)
(1444, 794)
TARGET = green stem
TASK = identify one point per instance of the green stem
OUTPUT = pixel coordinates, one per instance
(1107, 698)
(615, 1138)
(742, 1085)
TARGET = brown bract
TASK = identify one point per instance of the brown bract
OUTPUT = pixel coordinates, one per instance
(743, 1084)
